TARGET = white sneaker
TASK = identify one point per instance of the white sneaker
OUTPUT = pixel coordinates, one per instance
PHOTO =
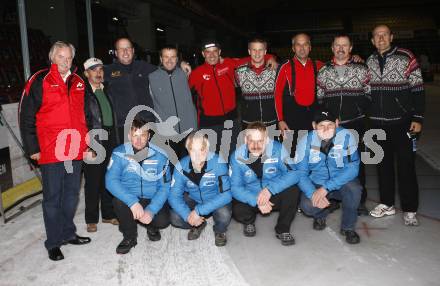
(381, 210)
(410, 219)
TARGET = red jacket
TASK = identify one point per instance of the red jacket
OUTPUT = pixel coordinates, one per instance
(215, 88)
(303, 94)
(47, 107)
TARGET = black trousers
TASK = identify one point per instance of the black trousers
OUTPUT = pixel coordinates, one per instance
(128, 225)
(94, 188)
(299, 124)
(285, 202)
(359, 127)
(398, 148)
(229, 146)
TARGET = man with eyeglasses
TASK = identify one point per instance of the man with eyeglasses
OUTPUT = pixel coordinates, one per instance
(128, 84)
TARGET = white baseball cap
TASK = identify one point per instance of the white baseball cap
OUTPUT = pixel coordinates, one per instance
(92, 63)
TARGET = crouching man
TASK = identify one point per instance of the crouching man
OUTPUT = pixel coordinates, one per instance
(261, 181)
(201, 188)
(139, 179)
(329, 156)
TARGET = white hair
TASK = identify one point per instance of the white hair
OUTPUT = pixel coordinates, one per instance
(59, 45)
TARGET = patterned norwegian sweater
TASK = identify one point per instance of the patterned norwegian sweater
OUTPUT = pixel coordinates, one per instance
(258, 94)
(397, 90)
(347, 96)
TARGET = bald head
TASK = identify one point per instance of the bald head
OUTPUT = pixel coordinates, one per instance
(382, 37)
(300, 36)
(301, 46)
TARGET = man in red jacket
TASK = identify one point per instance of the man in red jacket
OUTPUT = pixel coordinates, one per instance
(53, 129)
(295, 88)
(214, 84)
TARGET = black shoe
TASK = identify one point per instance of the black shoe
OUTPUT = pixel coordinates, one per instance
(351, 236)
(362, 210)
(319, 223)
(249, 230)
(125, 245)
(78, 240)
(55, 254)
(334, 205)
(195, 232)
(220, 239)
(153, 234)
(286, 238)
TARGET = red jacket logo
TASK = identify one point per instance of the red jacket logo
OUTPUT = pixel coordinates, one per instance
(206, 76)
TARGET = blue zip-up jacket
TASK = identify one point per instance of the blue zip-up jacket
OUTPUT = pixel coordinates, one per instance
(130, 181)
(331, 171)
(212, 193)
(277, 174)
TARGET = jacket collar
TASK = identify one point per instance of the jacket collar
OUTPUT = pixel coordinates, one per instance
(391, 51)
(54, 69)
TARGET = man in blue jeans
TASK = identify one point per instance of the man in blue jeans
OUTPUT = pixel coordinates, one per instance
(329, 156)
(201, 188)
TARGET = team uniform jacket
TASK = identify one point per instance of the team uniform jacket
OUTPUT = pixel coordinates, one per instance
(278, 173)
(347, 97)
(212, 193)
(332, 170)
(130, 181)
(258, 93)
(47, 107)
(397, 90)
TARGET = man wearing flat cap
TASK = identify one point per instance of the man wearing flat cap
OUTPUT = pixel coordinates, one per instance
(328, 154)
(99, 115)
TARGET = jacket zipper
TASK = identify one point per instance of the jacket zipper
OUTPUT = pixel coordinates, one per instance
(261, 108)
(400, 105)
(219, 91)
(174, 99)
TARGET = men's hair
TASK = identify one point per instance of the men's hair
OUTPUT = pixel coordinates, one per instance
(59, 45)
(381, 25)
(196, 136)
(257, 40)
(169, 47)
(257, 125)
(300, 34)
(137, 123)
(122, 38)
(342, 35)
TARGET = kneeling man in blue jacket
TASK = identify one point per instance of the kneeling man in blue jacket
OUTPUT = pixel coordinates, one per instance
(200, 188)
(138, 177)
(262, 180)
(329, 156)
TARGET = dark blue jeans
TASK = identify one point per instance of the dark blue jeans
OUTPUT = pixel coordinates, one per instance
(349, 194)
(221, 216)
(60, 199)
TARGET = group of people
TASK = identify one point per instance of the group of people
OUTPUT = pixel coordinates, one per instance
(130, 168)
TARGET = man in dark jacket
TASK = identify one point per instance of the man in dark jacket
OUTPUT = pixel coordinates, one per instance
(53, 129)
(99, 115)
(128, 84)
(398, 105)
